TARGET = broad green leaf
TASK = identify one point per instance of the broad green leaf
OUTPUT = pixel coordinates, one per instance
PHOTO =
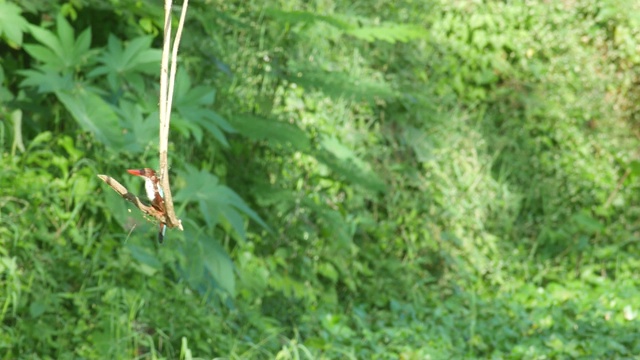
(206, 264)
(218, 264)
(215, 200)
(194, 264)
(145, 256)
(634, 166)
(93, 115)
(234, 199)
(193, 104)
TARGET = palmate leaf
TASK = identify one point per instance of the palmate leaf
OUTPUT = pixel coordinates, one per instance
(47, 80)
(60, 51)
(193, 105)
(93, 114)
(128, 61)
(12, 24)
(346, 164)
(217, 202)
(206, 264)
(137, 55)
(141, 130)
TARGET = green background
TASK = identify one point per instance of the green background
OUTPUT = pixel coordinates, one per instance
(356, 179)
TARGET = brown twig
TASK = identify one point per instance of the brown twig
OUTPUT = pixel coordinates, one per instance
(120, 189)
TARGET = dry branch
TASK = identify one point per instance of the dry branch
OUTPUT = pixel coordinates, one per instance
(120, 189)
(167, 81)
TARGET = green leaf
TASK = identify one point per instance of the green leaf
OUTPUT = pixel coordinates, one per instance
(65, 34)
(634, 166)
(346, 164)
(192, 103)
(145, 256)
(339, 84)
(60, 51)
(37, 308)
(329, 271)
(12, 24)
(389, 32)
(587, 223)
(219, 265)
(93, 115)
(81, 48)
(273, 131)
(143, 131)
(308, 17)
(217, 202)
(206, 264)
(47, 80)
(123, 61)
(50, 41)
(194, 266)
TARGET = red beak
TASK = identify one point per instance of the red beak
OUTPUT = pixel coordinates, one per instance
(136, 172)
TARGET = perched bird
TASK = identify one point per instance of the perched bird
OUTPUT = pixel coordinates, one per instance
(154, 193)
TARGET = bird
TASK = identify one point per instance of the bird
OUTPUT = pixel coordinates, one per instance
(154, 193)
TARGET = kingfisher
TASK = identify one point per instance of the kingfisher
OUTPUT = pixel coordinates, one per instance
(154, 193)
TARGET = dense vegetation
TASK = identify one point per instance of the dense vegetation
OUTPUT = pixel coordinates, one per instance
(403, 180)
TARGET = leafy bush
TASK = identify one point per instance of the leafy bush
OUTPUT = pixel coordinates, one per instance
(387, 180)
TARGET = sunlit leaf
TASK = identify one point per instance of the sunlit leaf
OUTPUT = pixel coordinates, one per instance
(12, 24)
(388, 32)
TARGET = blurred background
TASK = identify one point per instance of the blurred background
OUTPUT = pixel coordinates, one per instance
(371, 179)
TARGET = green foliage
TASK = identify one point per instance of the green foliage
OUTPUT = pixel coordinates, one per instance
(13, 25)
(381, 180)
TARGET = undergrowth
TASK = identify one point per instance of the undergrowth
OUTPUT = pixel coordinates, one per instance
(381, 180)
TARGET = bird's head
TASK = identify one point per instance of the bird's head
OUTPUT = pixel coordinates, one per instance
(143, 173)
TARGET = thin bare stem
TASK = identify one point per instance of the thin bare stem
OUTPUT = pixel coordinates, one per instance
(174, 53)
(166, 98)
